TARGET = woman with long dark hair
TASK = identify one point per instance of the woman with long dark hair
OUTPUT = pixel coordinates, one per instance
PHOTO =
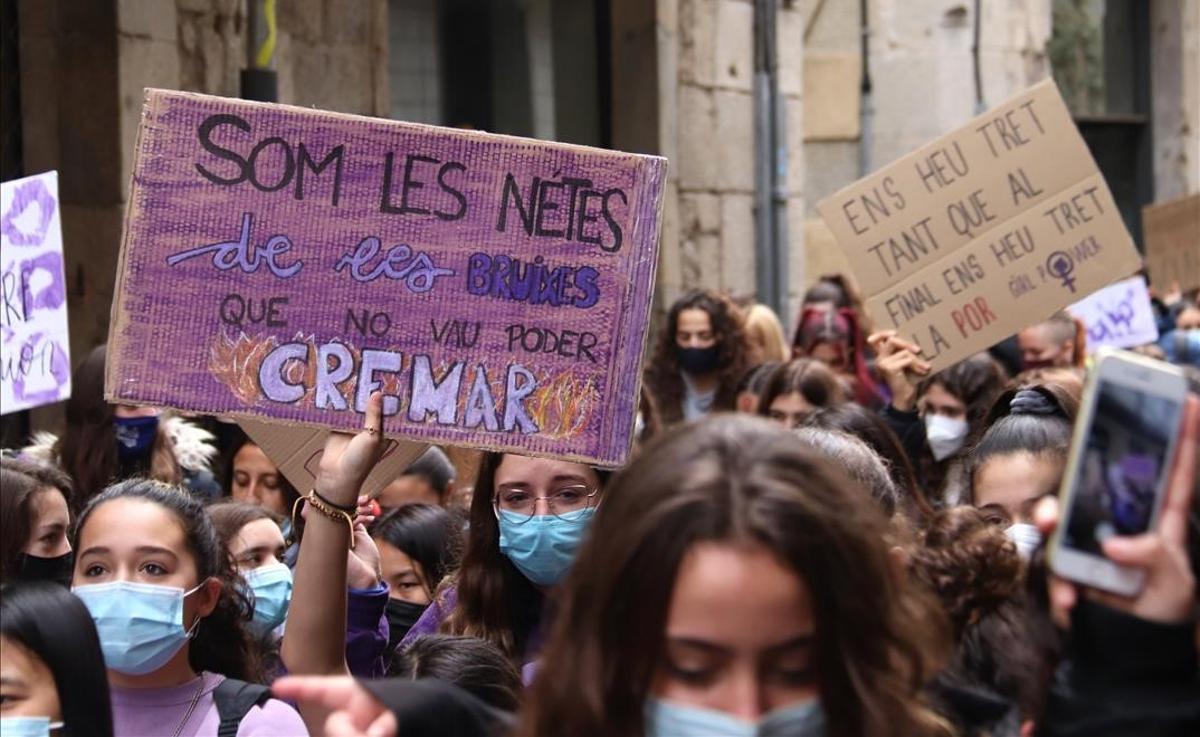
(699, 358)
(171, 613)
(419, 545)
(252, 537)
(528, 518)
(53, 670)
(35, 517)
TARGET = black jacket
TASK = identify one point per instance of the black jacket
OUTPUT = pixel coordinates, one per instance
(1124, 677)
(433, 708)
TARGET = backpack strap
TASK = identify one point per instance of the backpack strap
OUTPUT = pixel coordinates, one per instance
(234, 700)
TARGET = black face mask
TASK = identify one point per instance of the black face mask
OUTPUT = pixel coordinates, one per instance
(401, 616)
(36, 568)
(698, 361)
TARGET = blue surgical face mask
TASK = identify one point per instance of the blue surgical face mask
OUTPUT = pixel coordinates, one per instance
(669, 719)
(27, 726)
(272, 588)
(543, 547)
(140, 625)
(135, 436)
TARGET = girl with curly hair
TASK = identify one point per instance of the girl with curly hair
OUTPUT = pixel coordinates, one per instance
(991, 685)
(699, 358)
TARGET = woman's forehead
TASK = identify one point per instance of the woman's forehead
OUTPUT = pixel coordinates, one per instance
(694, 319)
(515, 468)
(133, 523)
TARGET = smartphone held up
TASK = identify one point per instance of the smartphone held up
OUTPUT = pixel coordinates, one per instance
(1116, 476)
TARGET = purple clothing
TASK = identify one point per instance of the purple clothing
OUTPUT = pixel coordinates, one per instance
(366, 636)
(529, 672)
(437, 612)
(366, 626)
(367, 631)
(147, 712)
(433, 616)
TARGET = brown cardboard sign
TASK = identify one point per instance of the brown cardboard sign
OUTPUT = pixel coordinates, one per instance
(297, 450)
(985, 230)
(1173, 242)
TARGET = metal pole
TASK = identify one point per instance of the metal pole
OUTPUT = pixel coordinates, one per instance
(867, 113)
(259, 81)
(770, 264)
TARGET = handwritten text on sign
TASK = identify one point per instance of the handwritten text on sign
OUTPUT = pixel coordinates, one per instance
(1120, 315)
(35, 363)
(984, 231)
(285, 263)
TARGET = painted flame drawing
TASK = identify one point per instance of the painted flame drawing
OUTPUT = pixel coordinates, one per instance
(562, 405)
(235, 362)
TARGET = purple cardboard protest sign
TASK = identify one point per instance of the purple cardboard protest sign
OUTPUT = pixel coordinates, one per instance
(283, 263)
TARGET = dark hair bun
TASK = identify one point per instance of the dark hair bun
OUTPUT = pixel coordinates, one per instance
(969, 563)
(1033, 402)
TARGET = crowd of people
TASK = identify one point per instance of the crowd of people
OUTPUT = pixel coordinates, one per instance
(814, 536)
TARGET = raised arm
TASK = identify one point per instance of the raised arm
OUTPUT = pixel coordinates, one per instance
(314, 642)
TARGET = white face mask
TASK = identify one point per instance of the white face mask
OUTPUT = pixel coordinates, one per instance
(946, 436)
(1025, 536)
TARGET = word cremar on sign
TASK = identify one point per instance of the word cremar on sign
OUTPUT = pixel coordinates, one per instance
(35, 359)
(283, 263)
(987, 229)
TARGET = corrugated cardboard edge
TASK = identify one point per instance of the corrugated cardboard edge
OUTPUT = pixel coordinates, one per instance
(116, 319)
(652, 175)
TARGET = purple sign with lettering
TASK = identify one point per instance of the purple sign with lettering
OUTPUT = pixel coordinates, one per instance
(35, 359)
(285, 263)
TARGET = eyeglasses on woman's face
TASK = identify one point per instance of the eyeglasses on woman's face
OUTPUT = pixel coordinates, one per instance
(566, 502)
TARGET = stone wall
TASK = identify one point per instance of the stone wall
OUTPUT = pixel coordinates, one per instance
(706, 127)
(1175, 71)
(84, 66)
(70, 113)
